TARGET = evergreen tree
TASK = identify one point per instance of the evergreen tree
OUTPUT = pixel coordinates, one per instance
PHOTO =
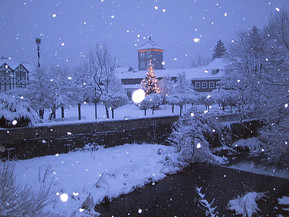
(150, 84)
(219, 50)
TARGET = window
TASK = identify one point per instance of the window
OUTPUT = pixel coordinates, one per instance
(142, 65)
(204, 85)
(197, 85)
(142, 55)
(211, 84)
(148, 54)
(215, 71)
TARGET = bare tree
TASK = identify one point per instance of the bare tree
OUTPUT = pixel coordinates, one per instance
(199, 61)
(98, 71)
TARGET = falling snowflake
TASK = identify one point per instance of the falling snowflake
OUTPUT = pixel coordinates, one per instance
(196, 40)
(53, 15)
(64, 197)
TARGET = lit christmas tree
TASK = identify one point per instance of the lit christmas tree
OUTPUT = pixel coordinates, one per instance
(150, 83)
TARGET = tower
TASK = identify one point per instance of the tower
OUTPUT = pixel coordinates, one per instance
(149, 51)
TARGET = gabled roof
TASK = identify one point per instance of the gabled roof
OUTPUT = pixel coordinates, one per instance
(13, 64)
(149, 44)
(218, 63)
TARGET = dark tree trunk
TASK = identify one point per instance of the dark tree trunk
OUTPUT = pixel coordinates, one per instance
(95, 110)
(79, 111)
(153, 111)
(145, 112)
(112, 113)
(41, 113)
(107, 112)
(173, 108)
(181, 110)
(62, 112)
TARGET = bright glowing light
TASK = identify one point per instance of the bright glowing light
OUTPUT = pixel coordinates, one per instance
(75, 193)
(62, 44)
(53, 15)
(196, 40)
(286, 105)
(238, 80)
(156, 7)
(81, 210)
(14, 122)
(277, 9)
(198, 145)
(139, 211)
(192, 114)
(69, 78)
(138, 96)
(64, 197)
(225, 14)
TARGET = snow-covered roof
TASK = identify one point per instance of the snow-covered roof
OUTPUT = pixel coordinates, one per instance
(218, 63)
(13, 64)
(191, 73)
(149, 44)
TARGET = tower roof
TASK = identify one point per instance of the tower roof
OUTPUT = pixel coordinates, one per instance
(149, 44)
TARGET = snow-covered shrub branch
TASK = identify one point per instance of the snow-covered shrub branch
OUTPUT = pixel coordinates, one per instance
(209, 208)
(17, 201)
(246, 205)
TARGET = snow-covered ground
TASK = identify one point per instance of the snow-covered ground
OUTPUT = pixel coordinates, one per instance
(129, 111)
(97, 174)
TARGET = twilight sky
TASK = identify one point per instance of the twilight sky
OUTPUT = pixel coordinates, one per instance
(69, 28)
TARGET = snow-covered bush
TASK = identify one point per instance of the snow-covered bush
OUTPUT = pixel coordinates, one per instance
(246, 205)
(15, 201)
(206, 100)
(113, 101)
(16, 112)
(276, 143)
(151, 101)
(193, 136)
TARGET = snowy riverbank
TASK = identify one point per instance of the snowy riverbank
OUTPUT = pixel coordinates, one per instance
(96, 174)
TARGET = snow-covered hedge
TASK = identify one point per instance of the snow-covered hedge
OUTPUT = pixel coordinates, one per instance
(16, 112)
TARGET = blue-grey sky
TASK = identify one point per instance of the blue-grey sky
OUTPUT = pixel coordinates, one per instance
(69, 28)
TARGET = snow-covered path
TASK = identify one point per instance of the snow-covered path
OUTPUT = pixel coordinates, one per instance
(97, 173)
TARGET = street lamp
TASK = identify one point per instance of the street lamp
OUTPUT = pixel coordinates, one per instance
(38, 42)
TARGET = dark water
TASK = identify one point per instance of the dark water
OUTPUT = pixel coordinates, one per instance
(176, 195)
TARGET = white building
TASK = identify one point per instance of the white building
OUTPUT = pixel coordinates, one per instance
(204, 79)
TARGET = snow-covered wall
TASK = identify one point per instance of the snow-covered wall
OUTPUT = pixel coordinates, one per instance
(50, 140)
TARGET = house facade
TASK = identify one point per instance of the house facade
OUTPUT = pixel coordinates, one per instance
(13, 74)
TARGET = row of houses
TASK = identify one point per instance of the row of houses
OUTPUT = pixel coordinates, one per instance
(14, 74)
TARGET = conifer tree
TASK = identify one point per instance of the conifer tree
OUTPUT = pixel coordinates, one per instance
(219, 50)
(150, 83)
